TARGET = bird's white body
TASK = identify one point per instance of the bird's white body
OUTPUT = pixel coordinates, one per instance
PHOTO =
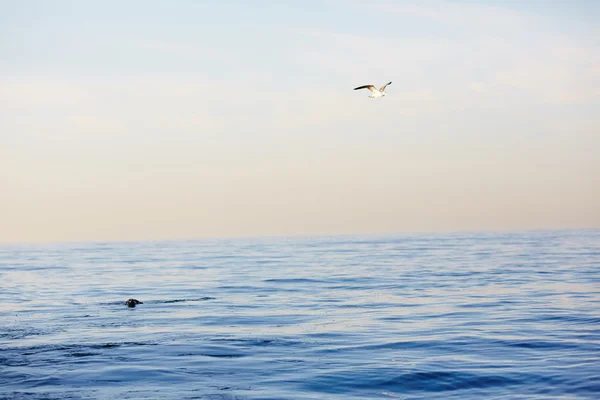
(375, 93)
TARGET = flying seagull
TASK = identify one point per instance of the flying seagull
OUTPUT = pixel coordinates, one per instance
(374, 91)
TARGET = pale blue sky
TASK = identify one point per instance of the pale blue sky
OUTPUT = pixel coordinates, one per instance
(155, 119)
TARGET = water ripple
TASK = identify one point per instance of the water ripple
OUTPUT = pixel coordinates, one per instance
(457, 316)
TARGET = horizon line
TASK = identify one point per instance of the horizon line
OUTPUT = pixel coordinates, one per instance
(300, 236)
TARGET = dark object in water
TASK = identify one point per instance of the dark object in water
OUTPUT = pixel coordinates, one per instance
(132, 302)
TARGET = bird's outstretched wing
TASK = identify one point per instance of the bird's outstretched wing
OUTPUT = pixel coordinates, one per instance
(370, 87)
(381, 89)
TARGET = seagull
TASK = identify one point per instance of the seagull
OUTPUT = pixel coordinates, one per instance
(375, 92)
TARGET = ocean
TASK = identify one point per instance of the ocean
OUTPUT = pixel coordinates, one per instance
(512, 315)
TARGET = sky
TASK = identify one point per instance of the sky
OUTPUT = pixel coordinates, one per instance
(149, 120)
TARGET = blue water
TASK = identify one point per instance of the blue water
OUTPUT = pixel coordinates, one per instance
(459, 316)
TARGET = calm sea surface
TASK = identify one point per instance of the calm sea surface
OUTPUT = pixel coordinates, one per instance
(460, 316)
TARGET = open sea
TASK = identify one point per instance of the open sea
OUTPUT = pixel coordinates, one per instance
(423, 316)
